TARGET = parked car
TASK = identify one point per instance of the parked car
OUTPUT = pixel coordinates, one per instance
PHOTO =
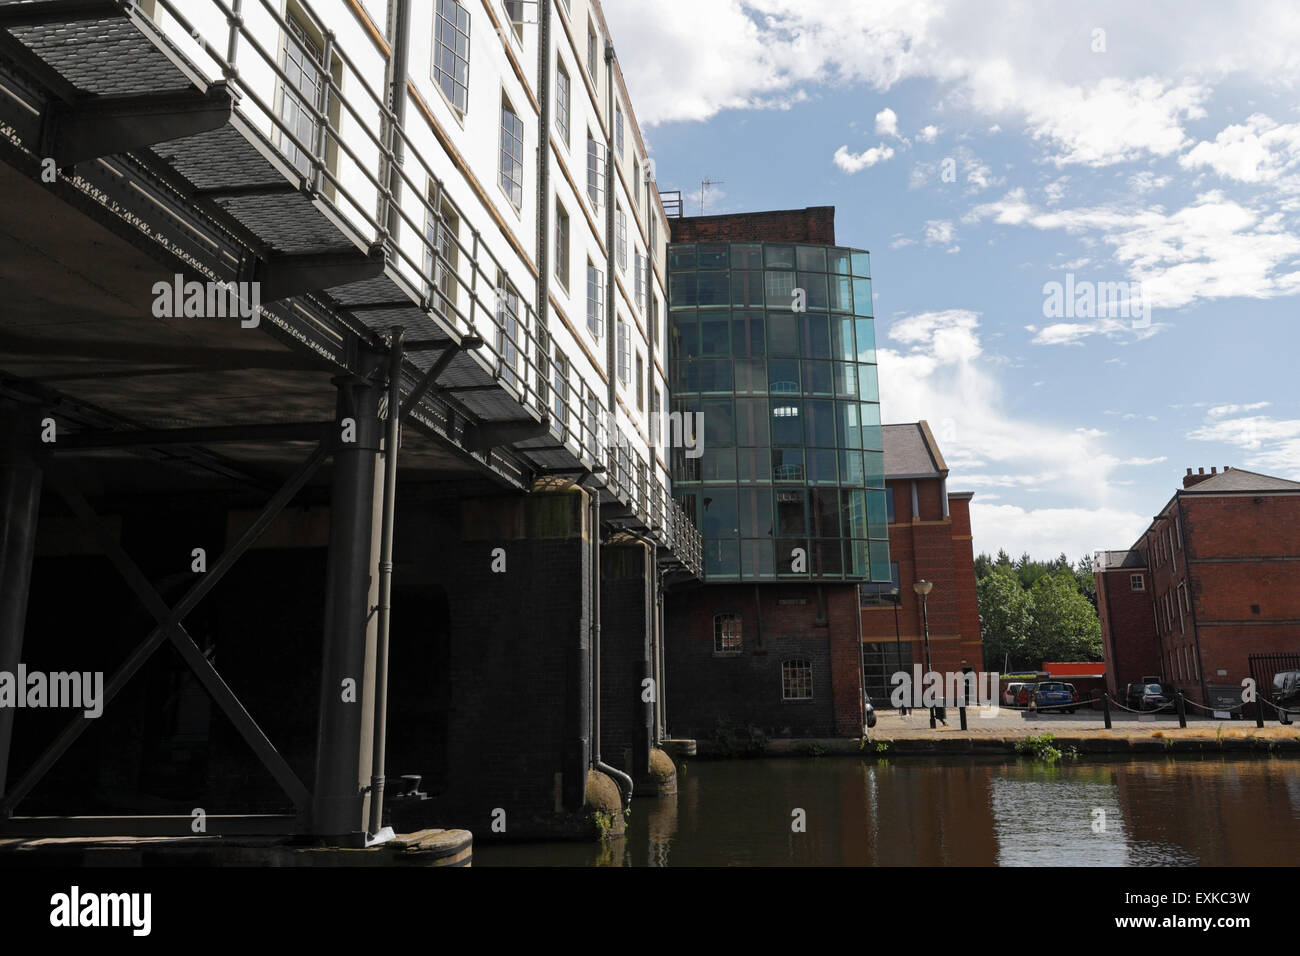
(1009, 694)
(1147, 696)
(1055, 696)
(1286, 691)
(871, 711)
(1022, 695)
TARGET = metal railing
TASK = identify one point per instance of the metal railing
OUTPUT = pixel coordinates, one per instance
(359, 156)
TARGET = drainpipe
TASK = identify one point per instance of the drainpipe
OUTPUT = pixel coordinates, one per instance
(384, 617)
(611, 238)
(400, 35)
(543, 196)
(661, 687)
(623, 780)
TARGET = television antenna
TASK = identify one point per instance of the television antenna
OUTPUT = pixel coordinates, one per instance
(705, 183)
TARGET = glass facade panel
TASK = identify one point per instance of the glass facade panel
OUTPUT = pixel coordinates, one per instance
(791, 482)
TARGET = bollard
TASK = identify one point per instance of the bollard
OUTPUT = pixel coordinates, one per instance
(962, 710)
(1259, 712)
(1105, 707)
(1182, 710)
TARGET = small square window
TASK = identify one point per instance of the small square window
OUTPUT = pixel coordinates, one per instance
(726, 634)
(1136, 582)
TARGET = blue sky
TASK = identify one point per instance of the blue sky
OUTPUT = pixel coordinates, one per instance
(1151, 147)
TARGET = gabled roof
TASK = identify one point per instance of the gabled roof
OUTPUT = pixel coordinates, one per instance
(911, 452)
(1237, 479)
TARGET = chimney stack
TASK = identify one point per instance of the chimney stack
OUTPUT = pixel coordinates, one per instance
(1190, 479)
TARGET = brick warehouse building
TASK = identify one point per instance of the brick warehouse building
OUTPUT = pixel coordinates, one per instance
(789, 491)
(930, 539)
(1218, 575)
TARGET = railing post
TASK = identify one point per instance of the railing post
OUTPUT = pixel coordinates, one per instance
(1182, 710)
(322, 140)
(235, 20)
(1105, 707)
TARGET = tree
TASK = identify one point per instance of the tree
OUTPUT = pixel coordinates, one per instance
(1065, 625)
(1006, 617)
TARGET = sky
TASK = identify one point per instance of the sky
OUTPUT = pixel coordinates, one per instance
(1083, 219)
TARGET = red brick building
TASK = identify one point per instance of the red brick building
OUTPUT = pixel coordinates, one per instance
(930, 539)
(1220, 570)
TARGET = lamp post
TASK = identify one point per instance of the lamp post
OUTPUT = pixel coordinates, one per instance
(898, 642)
(923, 589)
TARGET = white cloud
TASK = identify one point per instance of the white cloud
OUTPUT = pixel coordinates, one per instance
(1258, 150)
(940, 232)
(933, 366)
(1049, 531)
(887, 122)
(1214, 248)
(1272, 444)
(1220, 411)
(928, 134)
(856, 162)
(1074, 333)
(1147, 181)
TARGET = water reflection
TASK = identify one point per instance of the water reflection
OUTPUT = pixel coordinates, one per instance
(914, 812)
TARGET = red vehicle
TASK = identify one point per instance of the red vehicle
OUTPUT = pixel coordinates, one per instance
(1022, 695)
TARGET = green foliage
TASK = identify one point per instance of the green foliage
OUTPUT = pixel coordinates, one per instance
(1043, 747)
(816, 749)
(882, 747)
(1034, 611)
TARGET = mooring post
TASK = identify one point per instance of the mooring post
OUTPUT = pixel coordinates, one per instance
(1182, 710)
(1105, 707)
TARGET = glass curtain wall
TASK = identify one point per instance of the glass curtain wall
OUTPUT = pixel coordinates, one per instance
(774, 345)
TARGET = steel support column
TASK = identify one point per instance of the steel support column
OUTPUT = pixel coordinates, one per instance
(20, 497)
(343, 742)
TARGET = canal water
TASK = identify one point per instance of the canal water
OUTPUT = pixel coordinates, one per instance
(1211, 811)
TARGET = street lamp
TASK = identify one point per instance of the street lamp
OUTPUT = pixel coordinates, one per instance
(898, 642)
(923, 589)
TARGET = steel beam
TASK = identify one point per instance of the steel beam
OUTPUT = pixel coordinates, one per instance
(342, 742)
(213, 435)
(106, 125)
(486, 435)
(145, 649)
(56, 11)
(173, 825)
(430, 377)
(20, 497)
(284, 276)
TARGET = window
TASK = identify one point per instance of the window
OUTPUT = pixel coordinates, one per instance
(636, 184)
(595, 301)
(640, 283)
(1136, 582)
(561, 245)
(640, 382)
(656, 435)
(889, 506)
(624, 346)
(508, 329)
(451, 53)
(796, 680)
(726, 634)
(562, 97)
(592, 47)
(560, 393)
(618, 131)
(515, 14)
(654, 319)
(441, 254)
(512, 154)
(620, 237)
(595, 172)
(303, 93)
(881, 595)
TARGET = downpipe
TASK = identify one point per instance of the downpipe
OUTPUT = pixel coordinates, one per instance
(623, 780)
(377, 833)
